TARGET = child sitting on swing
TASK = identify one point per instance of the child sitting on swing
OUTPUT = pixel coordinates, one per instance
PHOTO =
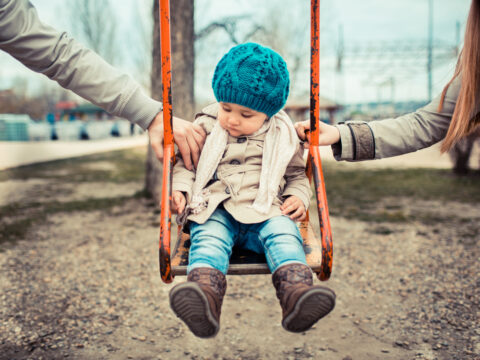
(248, 190)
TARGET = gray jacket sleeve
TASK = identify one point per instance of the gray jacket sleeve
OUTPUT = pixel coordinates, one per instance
(43, 49)
(397, 136)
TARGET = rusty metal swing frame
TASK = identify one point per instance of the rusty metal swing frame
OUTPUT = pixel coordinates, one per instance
(319, 253)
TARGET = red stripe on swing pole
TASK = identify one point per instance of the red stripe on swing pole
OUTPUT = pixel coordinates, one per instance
(323, 214)
(315, 160)
(166, 70)
(168, 147)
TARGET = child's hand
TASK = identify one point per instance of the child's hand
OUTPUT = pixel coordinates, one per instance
(178, 202)
(294, 207)
(329, 134)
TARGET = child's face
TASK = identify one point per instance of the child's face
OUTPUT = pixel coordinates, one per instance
(240, 120)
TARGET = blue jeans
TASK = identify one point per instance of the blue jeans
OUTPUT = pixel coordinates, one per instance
(212, 242)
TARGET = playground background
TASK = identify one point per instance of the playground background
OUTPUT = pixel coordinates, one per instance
(79, 269)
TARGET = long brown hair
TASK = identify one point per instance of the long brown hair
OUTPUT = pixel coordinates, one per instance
(464, 120)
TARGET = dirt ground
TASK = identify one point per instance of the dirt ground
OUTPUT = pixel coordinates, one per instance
(85, 285)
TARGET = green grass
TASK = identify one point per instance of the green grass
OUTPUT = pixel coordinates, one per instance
(127, 165)
(357, 193)
(361, 194)
(426, 184)
(18, 218)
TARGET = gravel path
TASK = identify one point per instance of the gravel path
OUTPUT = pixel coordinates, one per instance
(85, 285)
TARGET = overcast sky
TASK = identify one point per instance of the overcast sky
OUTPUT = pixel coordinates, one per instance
(363, 22)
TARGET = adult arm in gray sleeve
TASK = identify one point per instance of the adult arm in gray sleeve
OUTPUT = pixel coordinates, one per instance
(45, 50)
(397, 136)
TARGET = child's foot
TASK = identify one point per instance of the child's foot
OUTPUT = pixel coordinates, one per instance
(198, 301)
(302, 303)
(310, 307)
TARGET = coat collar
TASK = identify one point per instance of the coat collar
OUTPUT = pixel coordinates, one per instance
(211, 111)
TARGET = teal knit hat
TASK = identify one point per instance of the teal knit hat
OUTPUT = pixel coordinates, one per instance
(252, 76)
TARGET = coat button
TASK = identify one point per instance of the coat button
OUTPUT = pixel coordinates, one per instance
(227, 190)
(241, 140)
(235, 162)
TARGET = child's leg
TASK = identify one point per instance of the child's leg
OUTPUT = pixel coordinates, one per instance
(302, 303)
(198, 301)
(211, 243)
(281, 241)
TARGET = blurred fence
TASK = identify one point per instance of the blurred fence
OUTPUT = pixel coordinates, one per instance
(14, 127)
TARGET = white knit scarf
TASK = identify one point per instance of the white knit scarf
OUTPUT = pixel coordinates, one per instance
(279, 147)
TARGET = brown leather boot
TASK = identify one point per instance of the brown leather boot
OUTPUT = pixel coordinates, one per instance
(198, 301)
(302, 303)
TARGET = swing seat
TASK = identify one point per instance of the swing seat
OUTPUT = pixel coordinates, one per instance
(245, 262)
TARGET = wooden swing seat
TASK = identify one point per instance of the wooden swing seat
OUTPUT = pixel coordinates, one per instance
(245, 262)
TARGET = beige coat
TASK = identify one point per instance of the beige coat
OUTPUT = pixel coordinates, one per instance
(238, 175)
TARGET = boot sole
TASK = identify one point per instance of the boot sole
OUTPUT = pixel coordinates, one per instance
(310, 307)
(191, 305)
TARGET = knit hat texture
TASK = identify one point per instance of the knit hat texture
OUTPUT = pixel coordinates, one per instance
(253, 76)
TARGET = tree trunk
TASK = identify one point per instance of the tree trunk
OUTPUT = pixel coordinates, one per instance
(182, 43)
(460, 153)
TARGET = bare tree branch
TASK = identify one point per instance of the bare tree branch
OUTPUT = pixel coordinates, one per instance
(253, 32)
(230, 26)
(95, 22)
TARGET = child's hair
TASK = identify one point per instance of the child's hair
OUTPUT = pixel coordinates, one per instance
(253, 76)
(464, 120)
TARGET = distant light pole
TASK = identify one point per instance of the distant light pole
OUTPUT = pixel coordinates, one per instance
(340, 81)
(430, 48)
(457, 40)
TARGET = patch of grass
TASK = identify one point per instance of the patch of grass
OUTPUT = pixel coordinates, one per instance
(84, 205)
(127, 165)
(352, 193)
(14, 231)
(14, 209)
(430, 218)
(18, 218)
(370, 213)
(381, 230)
(356, 194)
(374, 184)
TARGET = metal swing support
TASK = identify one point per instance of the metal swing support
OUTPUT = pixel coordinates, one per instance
(314, 165)
(168, 145)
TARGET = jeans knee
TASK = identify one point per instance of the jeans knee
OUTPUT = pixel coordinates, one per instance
(280, 226)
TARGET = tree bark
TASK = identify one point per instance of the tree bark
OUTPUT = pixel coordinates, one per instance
(461, 151)
(182, 43)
